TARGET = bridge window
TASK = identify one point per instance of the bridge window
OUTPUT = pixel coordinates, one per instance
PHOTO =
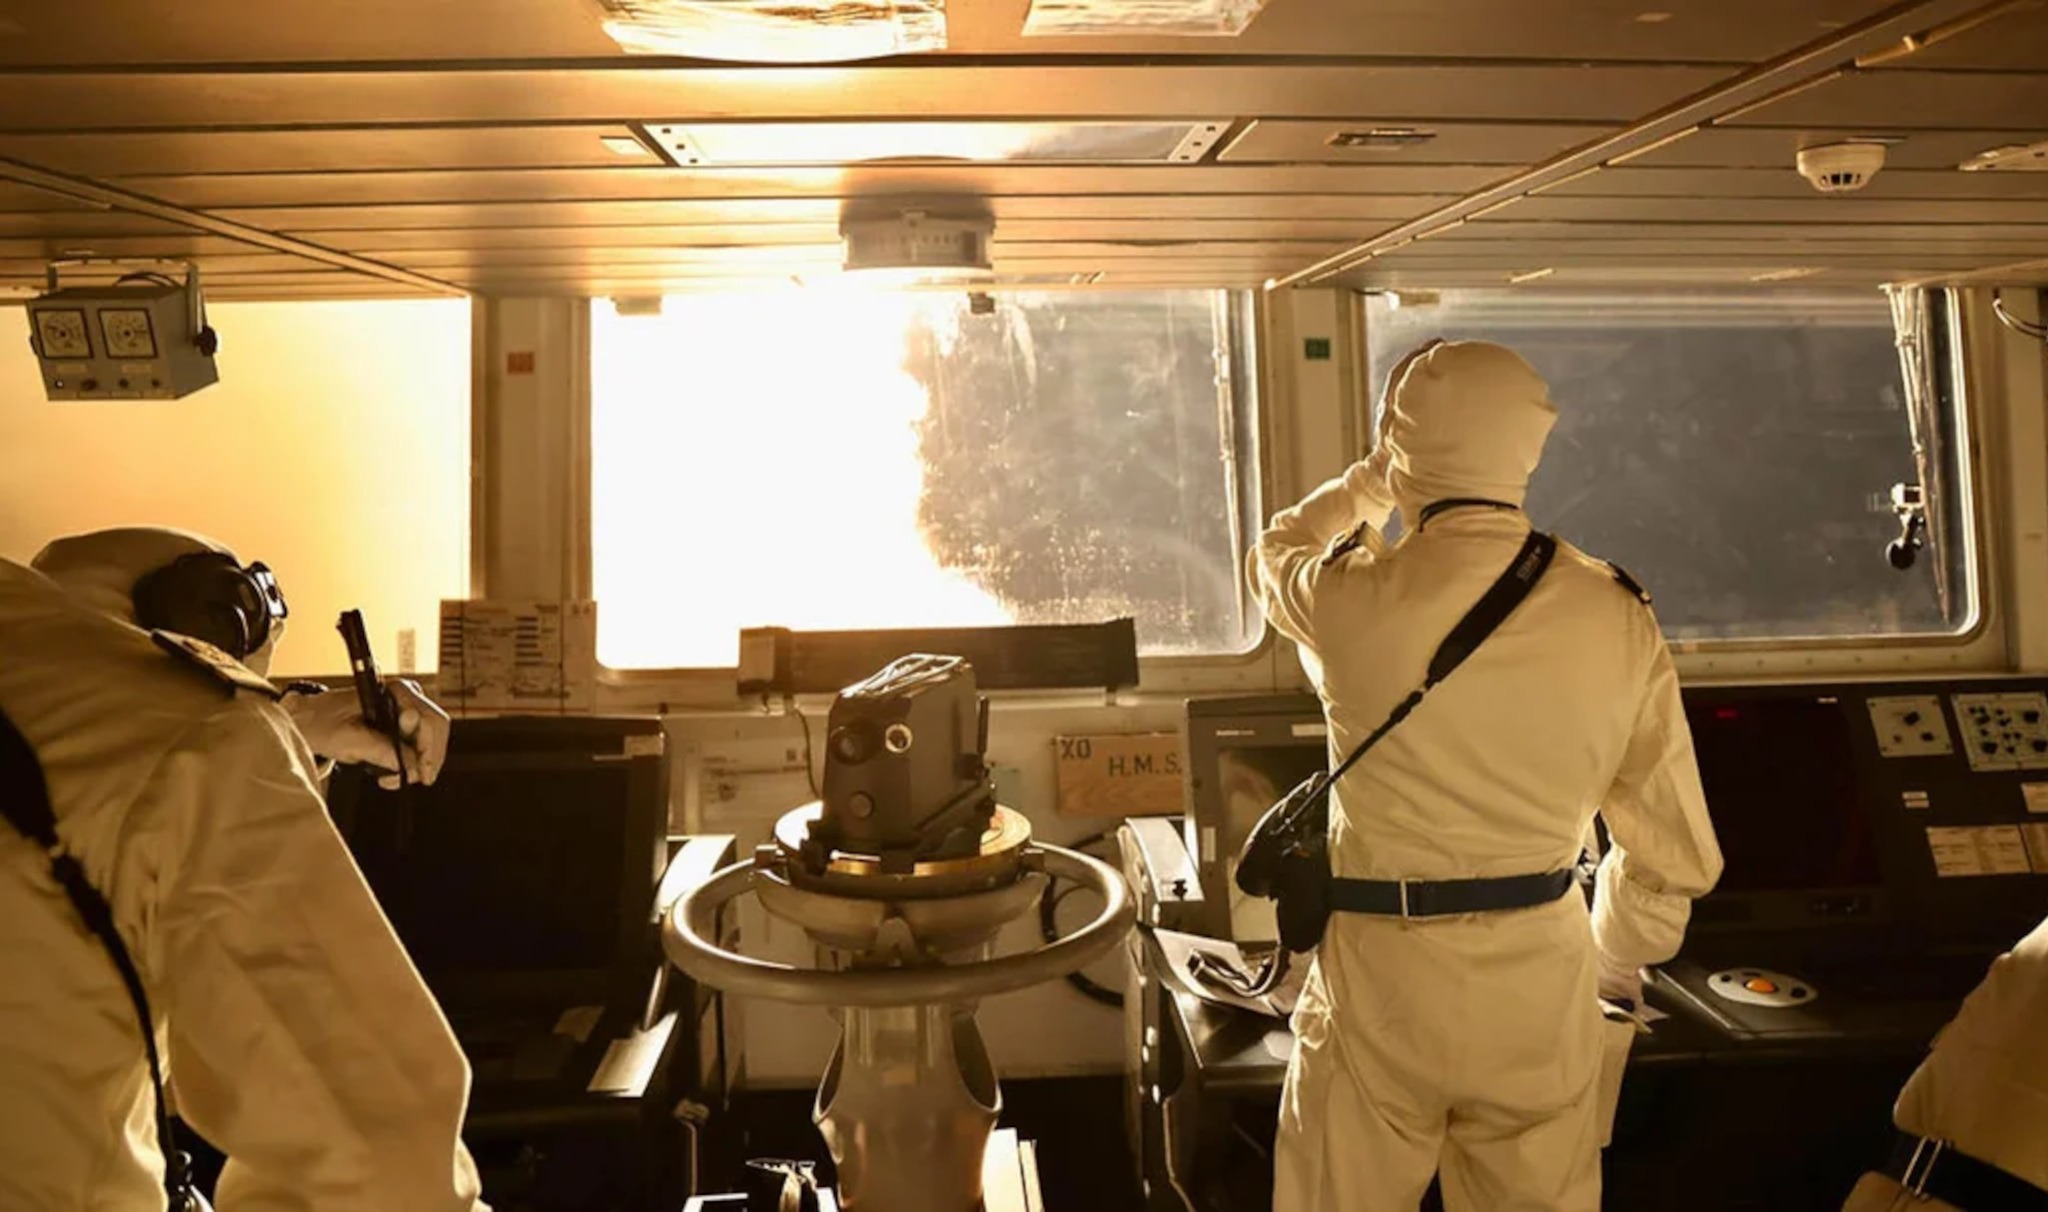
(1735, 452)
(335, 448)
(824, 459)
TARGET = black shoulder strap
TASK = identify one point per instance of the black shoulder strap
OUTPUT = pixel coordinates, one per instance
(1485, 617)
(25, 802)
(1623, 579)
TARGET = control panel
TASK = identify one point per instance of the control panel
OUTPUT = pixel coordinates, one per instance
(1916, 811)
(1910, 725)
(2004, 731)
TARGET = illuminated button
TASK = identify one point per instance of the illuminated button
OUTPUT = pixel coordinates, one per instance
(1758, 984)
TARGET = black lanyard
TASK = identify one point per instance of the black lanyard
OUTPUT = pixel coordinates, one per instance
(1431, 510)
(25, 802)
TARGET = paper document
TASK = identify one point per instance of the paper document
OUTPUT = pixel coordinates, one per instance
(518, 655)
(1180, 948)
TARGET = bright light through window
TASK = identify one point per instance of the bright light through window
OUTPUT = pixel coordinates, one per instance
(829, 460)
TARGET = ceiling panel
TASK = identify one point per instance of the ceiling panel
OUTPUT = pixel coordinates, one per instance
(1729, 229)
(688, 212)
(239, 31)
(2017, 41)
(1649, 277)
(1674, 243)
(1846, 210)
(1916, 100)
(1773, 147)
(463, 138)
(1535, 257)
(170, 244)
(1283, 141)
(79, 224)
(384, 188)
(218, 263)
(351, 286)
(33, 101)
(444, 262)
(1128, 231)
(1785, 182)
(366, 150)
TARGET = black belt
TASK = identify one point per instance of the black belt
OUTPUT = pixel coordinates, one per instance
(1935, 1169)
(1441, 898)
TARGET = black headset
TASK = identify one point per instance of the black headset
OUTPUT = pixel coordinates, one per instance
(208, 596)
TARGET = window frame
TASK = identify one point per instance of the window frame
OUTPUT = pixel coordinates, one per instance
(1255, 382)
(1979, 647)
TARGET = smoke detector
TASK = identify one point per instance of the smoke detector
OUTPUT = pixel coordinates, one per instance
(1840, 168)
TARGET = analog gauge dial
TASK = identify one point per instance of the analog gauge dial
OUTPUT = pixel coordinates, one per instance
(128, 332)
(62, 334)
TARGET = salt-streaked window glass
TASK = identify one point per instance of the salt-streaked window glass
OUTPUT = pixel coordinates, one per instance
(828, 459)
(335, 448)
(1736, 452)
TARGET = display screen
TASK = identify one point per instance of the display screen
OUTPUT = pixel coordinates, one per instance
(1248, 781)
(503, 870)
(1780, 783)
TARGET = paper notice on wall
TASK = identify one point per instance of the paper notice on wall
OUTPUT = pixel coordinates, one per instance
(2037, 847)
(530, 656)
(1978, 850)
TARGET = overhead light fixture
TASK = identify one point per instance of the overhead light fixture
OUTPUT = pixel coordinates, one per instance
(1784, 275)
(1381, 137)
(1652, 18)
(1126, 18)
(793, 144)
(625, 145)
(2031, 158)
(1534, 275)
(776, 31)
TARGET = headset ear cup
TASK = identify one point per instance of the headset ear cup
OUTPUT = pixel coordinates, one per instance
(200, 596)
(233, 622)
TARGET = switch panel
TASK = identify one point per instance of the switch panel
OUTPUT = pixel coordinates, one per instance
(1911, 726)
(2004, 731)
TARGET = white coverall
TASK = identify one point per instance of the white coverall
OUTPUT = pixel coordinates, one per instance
(1471, 1043)
(1983, 1088)
(297, 1036)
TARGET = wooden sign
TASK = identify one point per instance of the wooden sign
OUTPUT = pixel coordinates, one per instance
(1119, 774)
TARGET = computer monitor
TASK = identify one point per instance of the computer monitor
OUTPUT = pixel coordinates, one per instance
(1799, 846)
(1243, 754)
(527, 872)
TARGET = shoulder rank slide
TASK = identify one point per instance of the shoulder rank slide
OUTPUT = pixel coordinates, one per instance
(217, 664)
(1345, 545)
(1622, 578)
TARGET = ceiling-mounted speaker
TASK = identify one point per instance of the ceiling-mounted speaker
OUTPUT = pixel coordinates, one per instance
(920, 243)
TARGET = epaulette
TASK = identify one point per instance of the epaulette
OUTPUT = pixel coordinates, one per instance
(216, 664)
(1345, 544)
(1623, 579)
